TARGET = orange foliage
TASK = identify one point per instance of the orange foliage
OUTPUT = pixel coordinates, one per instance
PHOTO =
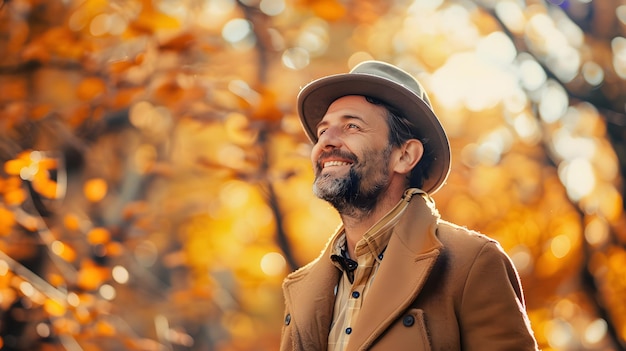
(90, 88)
(65, 251)
(54, 308)
(105, 328)
(40, 111)
(95, 189)
(98, 236)
(71, 222)
(91, 276)
(330, 10)
(7, 221)
(267, 108)
(14, 196)
(14, 167)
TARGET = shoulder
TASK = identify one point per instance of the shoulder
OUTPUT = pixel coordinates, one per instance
(453, 234)
(302, 271)
(465, 245)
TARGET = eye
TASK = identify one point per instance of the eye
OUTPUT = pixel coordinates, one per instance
(352, 126)
(320, 132)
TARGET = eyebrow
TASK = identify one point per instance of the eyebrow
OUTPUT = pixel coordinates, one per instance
(343, 118)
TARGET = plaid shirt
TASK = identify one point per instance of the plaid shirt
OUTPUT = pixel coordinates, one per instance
(355, 283)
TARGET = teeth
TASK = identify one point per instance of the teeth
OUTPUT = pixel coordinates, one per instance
(335, 163)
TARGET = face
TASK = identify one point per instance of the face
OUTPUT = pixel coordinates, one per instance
(351, 158)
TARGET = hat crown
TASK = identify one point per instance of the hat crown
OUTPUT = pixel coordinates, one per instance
(394, 74)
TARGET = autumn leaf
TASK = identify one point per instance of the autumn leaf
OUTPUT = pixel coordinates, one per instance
(54, 308)
(95, 189)
(330, 10)
(15, 196)
(90, 88)
(91, 276)
(267, 108)
(7, 221)
(71, 221)
(14, 167)
(98, 236)
(180, 42)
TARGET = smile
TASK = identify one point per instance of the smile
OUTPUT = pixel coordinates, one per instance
(336, 163)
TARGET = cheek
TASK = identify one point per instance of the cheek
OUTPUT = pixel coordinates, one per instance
(315, 153)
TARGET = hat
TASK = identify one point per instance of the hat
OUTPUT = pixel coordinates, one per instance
(393, 86)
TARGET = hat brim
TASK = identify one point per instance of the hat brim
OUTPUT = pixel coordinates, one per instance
(315, 98)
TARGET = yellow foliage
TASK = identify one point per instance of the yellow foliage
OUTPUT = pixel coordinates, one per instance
(54, 308)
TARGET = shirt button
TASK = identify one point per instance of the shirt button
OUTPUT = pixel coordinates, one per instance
(380, 257)
(348, 330)
(408, 320)
(355, 294)
(288, 319)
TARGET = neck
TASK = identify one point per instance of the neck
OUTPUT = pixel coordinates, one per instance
(357, 223)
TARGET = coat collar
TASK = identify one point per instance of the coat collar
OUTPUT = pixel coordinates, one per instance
(410, 255)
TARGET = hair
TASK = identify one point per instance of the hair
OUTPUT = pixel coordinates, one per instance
(402, 129)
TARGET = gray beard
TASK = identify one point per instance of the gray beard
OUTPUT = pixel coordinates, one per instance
(346, 194)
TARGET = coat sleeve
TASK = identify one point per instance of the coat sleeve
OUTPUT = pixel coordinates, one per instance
(493, 315)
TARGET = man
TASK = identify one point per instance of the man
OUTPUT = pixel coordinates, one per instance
(394, 276)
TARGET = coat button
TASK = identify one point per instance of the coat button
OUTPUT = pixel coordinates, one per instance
(356, 294)
(288, 319)
(408, 320)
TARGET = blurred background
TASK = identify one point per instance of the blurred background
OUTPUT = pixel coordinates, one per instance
(155, 185)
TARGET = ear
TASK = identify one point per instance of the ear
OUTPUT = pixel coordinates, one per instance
(410, 153)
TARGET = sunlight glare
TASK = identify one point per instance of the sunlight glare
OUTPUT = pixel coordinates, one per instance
(511, 15)
(496, 48)
(120, 274)
(273, 264)
(531, 75)
(272, 7)
(236, 30)
(553, 103)
(578, 178)
(560, 246)
(595, 331)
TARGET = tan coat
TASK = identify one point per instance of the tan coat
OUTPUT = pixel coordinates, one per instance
(439, 287)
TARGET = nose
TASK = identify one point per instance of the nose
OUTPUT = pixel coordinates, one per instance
(330, 138)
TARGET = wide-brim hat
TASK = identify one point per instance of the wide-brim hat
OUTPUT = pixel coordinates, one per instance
(393, 86)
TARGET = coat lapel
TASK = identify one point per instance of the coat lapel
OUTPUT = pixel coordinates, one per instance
(410, 255)
(309, 297)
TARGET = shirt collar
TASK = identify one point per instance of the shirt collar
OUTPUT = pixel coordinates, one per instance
(376, 238)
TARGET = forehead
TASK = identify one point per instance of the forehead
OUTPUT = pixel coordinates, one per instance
(355, 106)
